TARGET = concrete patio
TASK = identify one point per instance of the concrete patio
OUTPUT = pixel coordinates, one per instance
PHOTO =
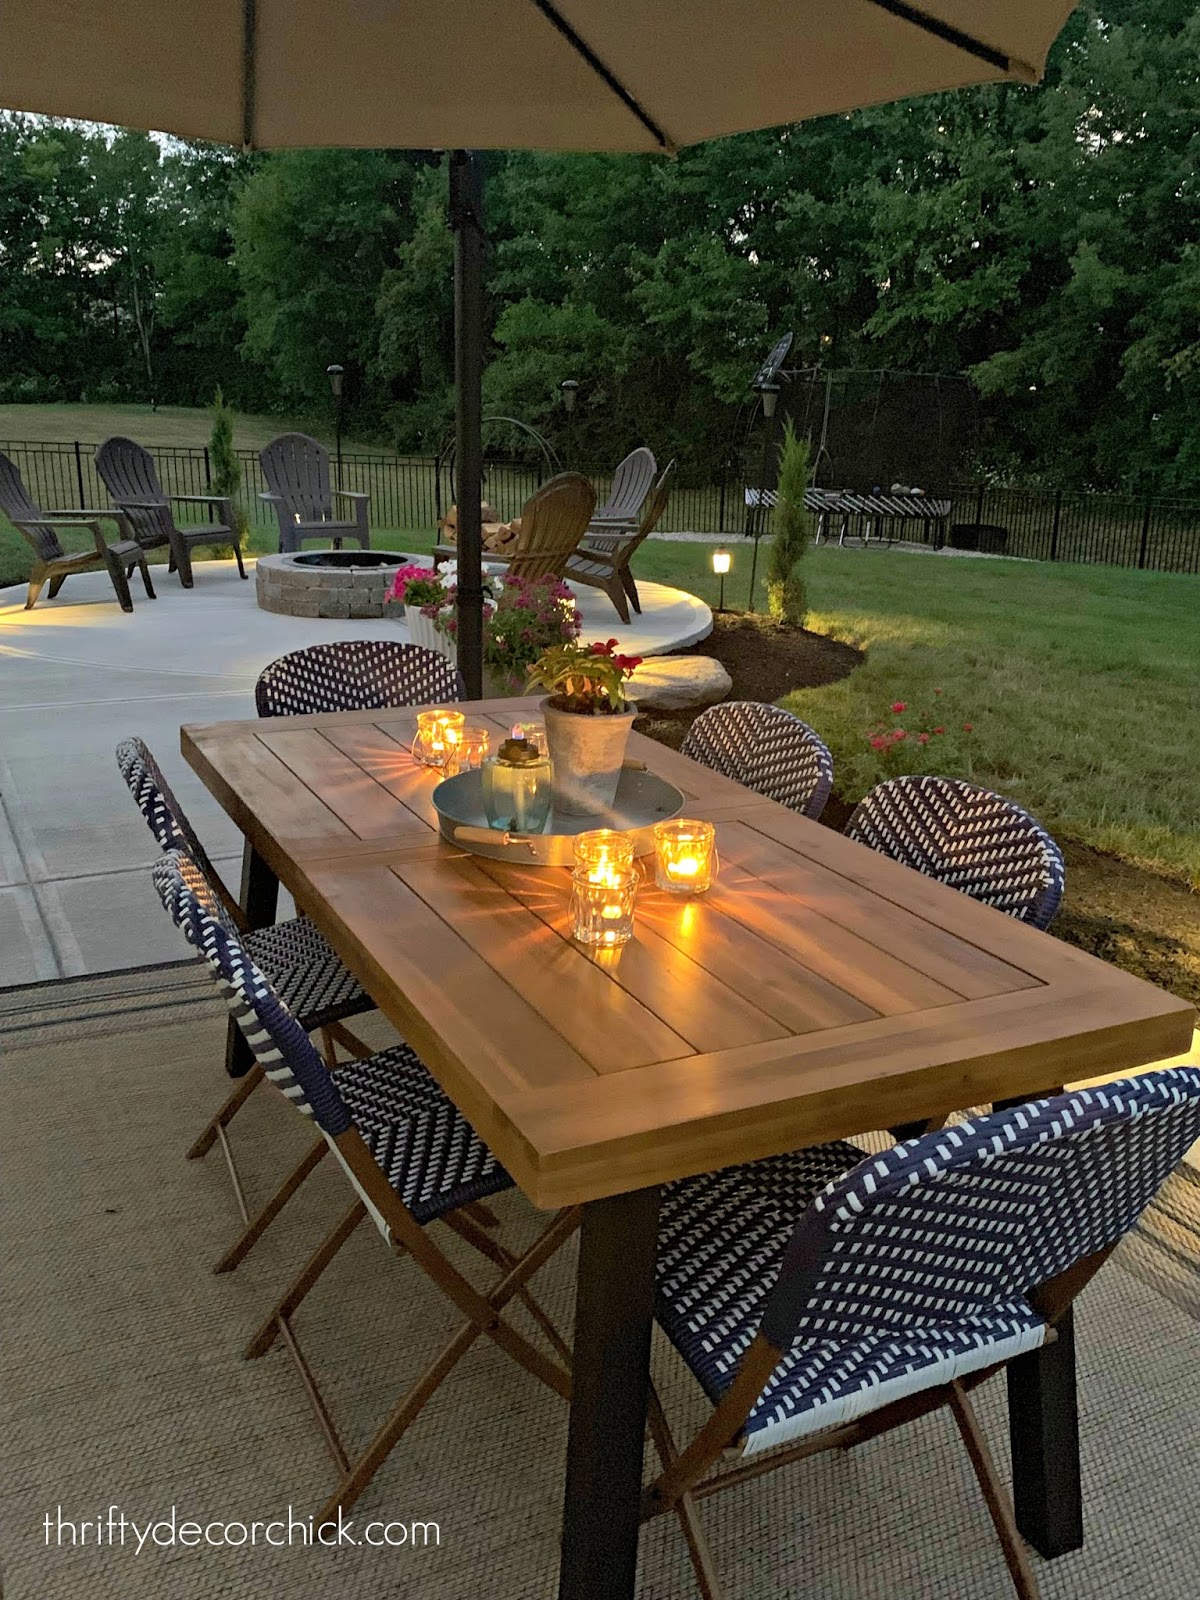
(77, 674)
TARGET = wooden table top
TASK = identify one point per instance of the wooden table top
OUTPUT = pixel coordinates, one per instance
(817, 991)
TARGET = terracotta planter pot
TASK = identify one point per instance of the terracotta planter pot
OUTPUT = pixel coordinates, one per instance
(587, 753)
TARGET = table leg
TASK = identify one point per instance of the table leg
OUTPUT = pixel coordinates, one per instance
(614, 1310)
(1043, 1420)
(258, 899)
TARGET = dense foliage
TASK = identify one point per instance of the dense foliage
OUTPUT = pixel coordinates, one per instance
(1047, 241)
(787, 599)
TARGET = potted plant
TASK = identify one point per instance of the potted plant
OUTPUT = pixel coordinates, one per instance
(521, 618)
(421, 591)
(588, 719)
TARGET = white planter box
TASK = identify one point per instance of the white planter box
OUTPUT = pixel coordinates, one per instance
(422, 631)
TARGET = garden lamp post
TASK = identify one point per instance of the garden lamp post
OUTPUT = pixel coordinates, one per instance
(720, 564)
(335, 374)
(569, 388)
(769, 394)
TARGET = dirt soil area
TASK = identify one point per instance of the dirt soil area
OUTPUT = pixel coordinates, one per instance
(1136, 919)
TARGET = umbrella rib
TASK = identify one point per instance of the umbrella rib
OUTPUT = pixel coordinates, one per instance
(583, 49)
(955, 36)
(249, 26)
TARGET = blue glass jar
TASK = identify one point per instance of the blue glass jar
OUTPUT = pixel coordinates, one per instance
(517, 788)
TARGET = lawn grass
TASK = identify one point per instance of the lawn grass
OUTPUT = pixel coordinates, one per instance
(172, 427)
(1082, 683)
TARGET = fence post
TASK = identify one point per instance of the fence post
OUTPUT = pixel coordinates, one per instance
(979, 505)
(1057, 520)
(79, 477)
(207, 470)
(1142, 548)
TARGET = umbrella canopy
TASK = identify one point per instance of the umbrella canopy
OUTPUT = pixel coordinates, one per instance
(573, 75)
(620, 75)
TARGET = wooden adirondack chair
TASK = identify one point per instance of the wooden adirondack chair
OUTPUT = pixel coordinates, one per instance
(553, 521)
(297, 472)
(602, 560)
(630, 486)
(51, 562)
(128, 472)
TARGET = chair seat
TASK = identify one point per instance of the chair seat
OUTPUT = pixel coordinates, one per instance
(429, 1153)
(195, 532)
(721, 1242)
(583, 568)
(309, 977)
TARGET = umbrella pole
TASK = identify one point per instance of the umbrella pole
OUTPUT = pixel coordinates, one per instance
(466, 218)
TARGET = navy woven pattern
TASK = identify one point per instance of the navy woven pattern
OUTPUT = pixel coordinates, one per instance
(167, 820)
(355, 675)
(310, 979)
(967, 837)
(429, 1153)
(767, 749)
(278, 1041)
(912, 1267)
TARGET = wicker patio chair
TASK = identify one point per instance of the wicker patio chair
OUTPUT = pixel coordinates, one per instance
(819, 1307)
(296, 469)
(355, 675)
(968, 837)
(767, 749)
(630, 486)
(410, 1158)
(319, 991)
(602, 560)
(128, 472)
(51, 563)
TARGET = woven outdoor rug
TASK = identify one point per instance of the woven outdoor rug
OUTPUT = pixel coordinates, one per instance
(121, 1383)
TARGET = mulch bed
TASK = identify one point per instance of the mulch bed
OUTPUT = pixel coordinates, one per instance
(1138, 920)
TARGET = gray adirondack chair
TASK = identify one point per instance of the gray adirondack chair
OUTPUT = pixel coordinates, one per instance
(602, 560)
(630, 486)
(53, 564)
(128, 472)
(297, 472)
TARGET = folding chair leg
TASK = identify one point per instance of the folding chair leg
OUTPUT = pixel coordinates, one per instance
(685, 1509)
(388, 1435)
(338, 1032)
(254, 1229)
(290, 1301)
(467, 1228)
(999, 1506)
(237, 1099)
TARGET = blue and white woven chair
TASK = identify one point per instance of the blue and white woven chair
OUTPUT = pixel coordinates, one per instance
(411, 1159)
(767, 749)
(314, 984)
(819, 1306)
(968, 837)
(355, 675)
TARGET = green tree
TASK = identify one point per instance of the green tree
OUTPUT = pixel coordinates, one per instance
(787, 595)
(225, 466)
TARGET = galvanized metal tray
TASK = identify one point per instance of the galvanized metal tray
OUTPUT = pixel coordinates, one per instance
(642, 800)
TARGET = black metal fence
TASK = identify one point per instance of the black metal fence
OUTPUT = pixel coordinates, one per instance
(409, 492)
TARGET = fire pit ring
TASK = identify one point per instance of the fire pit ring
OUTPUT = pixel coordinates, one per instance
(328, 583)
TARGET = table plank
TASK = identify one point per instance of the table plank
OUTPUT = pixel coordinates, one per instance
(367, 807)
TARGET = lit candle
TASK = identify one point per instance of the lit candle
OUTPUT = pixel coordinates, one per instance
(439, 734)
(602, 907)
(686, 856)
(601, 849)
(468, 751)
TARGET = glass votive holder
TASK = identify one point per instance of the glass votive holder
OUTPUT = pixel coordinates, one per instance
(470, 752)
(602, 908)
(535, 732)
(439, 733)
(601, 850)
(686, 856)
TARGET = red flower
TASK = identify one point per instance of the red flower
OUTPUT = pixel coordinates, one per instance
(922, 738)
(879, 744)
(626, 663)
(605, 649)
(900, 733)
(968, 727)
(939, 730)
(899, 706)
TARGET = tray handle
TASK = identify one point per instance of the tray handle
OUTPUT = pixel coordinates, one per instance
(465, 834)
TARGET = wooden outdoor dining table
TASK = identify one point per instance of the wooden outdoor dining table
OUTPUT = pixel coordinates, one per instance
(818, 991)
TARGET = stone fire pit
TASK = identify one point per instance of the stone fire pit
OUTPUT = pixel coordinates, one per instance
(328, 583)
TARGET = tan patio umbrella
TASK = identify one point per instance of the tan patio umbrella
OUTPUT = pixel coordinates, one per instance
(621, 75)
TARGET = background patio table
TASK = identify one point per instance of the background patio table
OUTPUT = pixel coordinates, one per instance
(818, 991)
